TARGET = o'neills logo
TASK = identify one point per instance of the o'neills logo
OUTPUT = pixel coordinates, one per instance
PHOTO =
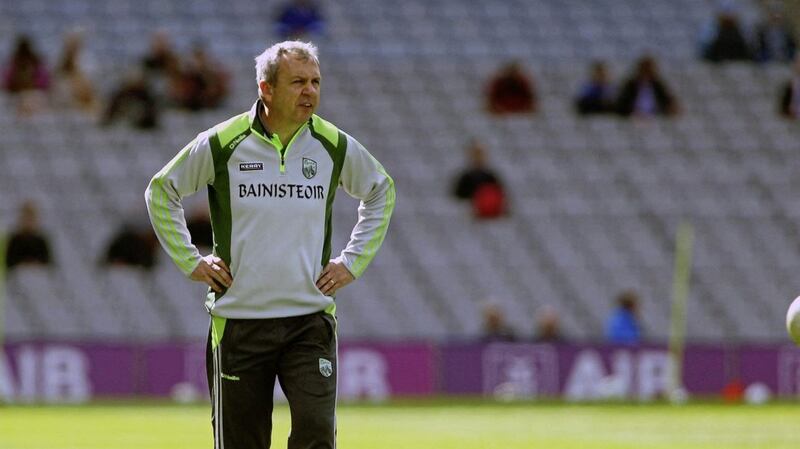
(236, 141)
(250, 166)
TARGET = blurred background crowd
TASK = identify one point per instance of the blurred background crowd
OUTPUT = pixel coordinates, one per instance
(544, 154)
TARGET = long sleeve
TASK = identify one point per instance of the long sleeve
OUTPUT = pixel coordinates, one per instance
(189, 171)
(364, 178)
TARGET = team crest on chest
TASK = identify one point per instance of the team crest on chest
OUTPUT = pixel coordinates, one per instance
(309, 168)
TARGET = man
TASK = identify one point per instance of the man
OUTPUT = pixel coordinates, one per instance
(597, 94)
(476, 174)
(479, 184)
(645, 94)
(511, 91)
(790, 94)
(271, 175)
(622, 326)
(27, 245)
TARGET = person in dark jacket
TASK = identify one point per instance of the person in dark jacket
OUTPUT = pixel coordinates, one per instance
(789, 106)
(645, 94)
(475, 175)
(27, 245)
(775, 39)
(597, 94)
(728, 42)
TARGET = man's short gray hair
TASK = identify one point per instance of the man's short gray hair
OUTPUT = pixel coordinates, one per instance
(267, 62)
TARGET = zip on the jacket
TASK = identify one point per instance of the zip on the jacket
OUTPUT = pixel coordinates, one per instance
(282, 154)
(275, 141)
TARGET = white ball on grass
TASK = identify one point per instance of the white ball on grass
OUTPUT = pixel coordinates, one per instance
(678, 396)
(793, 320)
(184, 393)
(757, 394)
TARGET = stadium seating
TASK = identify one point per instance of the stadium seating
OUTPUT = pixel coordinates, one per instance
(595, 202)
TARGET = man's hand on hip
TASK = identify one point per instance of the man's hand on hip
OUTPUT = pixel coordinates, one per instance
(213, 271)
(334, 276)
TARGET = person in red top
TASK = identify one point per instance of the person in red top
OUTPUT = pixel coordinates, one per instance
(479, 184)
(25, 76)
(25, 69)
(511, 91)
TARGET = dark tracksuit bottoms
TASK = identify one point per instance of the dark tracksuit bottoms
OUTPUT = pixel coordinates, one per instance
(243, 359)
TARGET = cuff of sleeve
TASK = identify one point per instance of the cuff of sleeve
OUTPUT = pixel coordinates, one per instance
(347, 264)
(193, 264)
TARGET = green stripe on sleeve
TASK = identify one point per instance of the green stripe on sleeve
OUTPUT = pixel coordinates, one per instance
(162, 218)
(360, 264)
(173, 238)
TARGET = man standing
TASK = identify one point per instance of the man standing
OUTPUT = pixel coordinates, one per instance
(271, 175)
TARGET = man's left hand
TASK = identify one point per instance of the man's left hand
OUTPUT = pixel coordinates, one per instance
(334, 276)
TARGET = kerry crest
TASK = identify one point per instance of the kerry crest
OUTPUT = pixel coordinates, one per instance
(325, 367)
(309, 168)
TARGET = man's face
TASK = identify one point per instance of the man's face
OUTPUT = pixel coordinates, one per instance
(295, 95)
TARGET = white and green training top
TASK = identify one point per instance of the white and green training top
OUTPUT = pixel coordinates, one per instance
(271, 211)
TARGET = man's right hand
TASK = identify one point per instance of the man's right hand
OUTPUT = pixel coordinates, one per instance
(213, 271)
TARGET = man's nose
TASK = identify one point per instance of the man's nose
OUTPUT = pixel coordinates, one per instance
(309, 89)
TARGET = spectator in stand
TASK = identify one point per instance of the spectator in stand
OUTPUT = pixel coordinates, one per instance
(479, 184)
(790, 96)
(25, 70)
(548, 326)
(597, 94)
(475, 174)
(26, 77)
(495, 327)
(135, 101)
(300, 19)
(644, 94)
(623, 325)
(27, 244)
(775, 38)
(133, 245)
(724, 40)
(511, 91)
(202, 84)
(72, 83)
(161, 59)
(162, 68)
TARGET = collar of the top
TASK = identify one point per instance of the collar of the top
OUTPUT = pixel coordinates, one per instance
(256, 124)
(255, 120)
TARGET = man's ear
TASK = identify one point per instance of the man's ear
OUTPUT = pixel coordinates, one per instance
(265, 89)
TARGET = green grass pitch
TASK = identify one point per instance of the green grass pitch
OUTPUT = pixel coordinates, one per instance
(422, 425)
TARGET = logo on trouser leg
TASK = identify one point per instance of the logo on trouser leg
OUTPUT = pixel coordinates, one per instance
(325, 367)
